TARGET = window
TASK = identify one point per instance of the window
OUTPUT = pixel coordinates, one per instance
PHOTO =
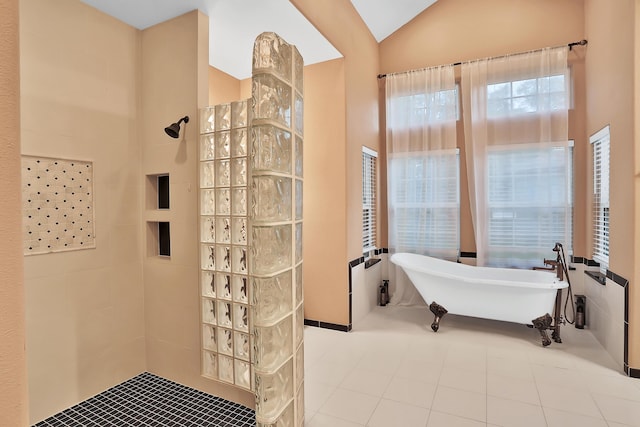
(527, 211)
(601, 147)
(432, 107)
(425, 202)
(369, 177)
(533, 95)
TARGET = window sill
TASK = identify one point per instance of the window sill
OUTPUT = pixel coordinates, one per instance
(597, 276)
(371, 262)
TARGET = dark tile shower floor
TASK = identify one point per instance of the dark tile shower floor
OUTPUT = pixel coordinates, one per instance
(148, 400)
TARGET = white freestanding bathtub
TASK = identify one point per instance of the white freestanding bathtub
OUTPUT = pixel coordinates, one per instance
(511, 295)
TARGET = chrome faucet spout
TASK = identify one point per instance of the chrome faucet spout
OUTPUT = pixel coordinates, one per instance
(555, 265)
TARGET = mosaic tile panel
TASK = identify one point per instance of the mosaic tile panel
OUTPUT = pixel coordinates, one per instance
(57, 205)
(149, 400)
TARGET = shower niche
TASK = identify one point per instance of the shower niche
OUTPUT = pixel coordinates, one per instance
(250, 176)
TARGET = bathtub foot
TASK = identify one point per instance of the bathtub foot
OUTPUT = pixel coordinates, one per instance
(543, 323)
(438, 311)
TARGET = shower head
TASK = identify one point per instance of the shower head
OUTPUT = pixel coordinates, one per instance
(174, 130)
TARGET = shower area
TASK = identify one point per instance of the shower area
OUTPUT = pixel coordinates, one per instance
(251, 236)
(195, 298)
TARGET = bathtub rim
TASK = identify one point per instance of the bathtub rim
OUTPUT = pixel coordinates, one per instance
(399, 259)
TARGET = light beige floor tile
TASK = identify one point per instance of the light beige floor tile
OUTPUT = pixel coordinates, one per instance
(568, 399)
(323, 420)
(616, 386)
(459, 402)
(315, 395)
(511, 368)
(618, 410)
(413, 392)
(440, 419)
(383, 362)
(558, 418)
(470, 357)
(350, 406)
(391, 413)
(420, 370)
(328, 373)
(563, 377)
(509, 413)
(463, 379)
(366, 381)
(576, 382)
(513, 389)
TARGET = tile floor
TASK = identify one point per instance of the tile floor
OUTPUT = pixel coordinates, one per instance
(393, 371)
(149, 400)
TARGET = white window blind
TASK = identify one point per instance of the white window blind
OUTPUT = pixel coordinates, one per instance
(425, 202)
(528, 212)
(369, 176)
(601, 148)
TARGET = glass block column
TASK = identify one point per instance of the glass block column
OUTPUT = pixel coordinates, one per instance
(224, 280)
(275, 240)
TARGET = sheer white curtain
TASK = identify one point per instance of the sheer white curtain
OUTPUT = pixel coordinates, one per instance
(518, 157)
(422, 169)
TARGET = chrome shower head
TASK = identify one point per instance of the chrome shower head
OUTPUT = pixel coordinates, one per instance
(174, 129)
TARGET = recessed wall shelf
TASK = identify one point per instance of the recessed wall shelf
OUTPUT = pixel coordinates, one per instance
(158, 239)
(157, 192)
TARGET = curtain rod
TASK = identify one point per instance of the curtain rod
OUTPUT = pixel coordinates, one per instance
(582, 42)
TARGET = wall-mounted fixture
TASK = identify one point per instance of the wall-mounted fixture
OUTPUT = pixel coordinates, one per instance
(174, 130)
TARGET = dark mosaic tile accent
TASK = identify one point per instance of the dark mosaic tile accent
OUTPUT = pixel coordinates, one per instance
(148, 400)
(327, 325)
(356, 262)
(468, 254)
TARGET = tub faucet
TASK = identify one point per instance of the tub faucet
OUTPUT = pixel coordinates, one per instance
(555, 265)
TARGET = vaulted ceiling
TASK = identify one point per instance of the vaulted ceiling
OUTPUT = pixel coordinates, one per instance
(234, 24)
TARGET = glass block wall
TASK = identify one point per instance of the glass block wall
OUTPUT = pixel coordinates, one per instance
(251, 237)
(224, 280)
(275, 212)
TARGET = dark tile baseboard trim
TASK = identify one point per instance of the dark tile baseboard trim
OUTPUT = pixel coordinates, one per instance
(621, 281)
(356, 262)
(327, 325)
(468, 254)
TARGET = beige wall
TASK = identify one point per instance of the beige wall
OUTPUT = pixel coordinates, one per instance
(325, 265)
(174, 58)
(13, 358)
(360, 52)
(85, 321)
(609, 67)
(458, 30)
(324, 187)
(223, 88)
(634, 294)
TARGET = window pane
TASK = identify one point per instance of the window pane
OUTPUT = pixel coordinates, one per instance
(527, 96)
(525, 104)
(525, 87)
(498, 91)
